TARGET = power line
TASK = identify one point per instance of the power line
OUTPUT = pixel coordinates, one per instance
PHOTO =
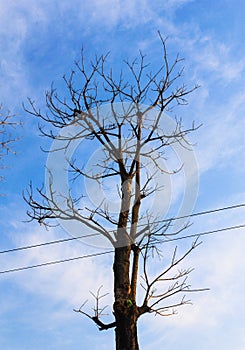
(54, 262)
(112, 251)
(47, 243)
(205, 233)
(203, 212)
(140, 225)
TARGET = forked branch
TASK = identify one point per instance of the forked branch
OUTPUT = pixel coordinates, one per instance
(153, 299)
(98, 311)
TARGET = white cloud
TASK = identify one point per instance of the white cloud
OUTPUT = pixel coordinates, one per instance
(69, 282)
(16, 22)
(220, 140)
(217, 58)
(219, 266)
(128, 13)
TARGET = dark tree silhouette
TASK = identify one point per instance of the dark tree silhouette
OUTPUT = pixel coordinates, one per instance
(129, 137)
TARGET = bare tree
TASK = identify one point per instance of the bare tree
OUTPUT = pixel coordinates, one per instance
(130, 139)
(6, 138)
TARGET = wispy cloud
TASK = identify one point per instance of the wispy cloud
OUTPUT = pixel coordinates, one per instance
(219, 265)
(63, 281)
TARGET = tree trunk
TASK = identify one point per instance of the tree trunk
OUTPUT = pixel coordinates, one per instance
(126, 334)
(125, 309)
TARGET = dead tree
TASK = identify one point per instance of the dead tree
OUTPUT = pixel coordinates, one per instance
(126, 138)
(6, 138)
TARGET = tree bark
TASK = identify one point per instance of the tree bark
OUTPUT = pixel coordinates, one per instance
(125, 309)
(126, 332)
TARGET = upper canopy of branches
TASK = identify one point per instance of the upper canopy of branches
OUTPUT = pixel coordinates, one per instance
(130, 130)
(93, 84)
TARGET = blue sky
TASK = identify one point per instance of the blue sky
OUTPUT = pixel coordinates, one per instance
(39, 41)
